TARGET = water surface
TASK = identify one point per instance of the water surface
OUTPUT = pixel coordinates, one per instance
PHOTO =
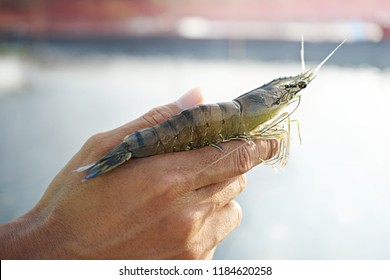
(330, 202)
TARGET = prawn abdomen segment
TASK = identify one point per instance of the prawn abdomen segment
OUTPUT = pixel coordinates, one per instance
(193, 128)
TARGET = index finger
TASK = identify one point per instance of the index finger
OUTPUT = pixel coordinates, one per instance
(198, 168)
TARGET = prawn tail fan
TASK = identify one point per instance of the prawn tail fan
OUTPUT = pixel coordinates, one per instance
(114, 158)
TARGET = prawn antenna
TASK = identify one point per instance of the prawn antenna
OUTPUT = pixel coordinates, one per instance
(302, 54)
(326, 58)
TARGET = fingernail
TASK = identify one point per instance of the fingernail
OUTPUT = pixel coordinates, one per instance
(190, 99)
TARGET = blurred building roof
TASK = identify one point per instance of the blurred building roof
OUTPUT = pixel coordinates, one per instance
(244, 19)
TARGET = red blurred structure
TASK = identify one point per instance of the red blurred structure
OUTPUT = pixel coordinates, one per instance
(251, 19)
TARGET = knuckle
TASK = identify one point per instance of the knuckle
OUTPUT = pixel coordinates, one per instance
(158, 114)
(275, 146)
(191, 221)
(268, 149)
(188, 224)
(95, 139)
(169, 185)
(228, 193)
(172, 184)
(98, 143)
(244, 159)
(235, 214)
(242, 182)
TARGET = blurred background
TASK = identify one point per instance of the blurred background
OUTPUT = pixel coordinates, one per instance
(69, 69)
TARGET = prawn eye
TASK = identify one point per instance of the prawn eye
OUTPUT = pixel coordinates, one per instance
(302, 84)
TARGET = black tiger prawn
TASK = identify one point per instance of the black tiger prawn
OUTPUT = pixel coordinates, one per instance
(256, 114)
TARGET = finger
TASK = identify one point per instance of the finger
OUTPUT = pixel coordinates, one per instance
(220, 194)
(198, 168)
(238, 158)
(213, 198)
(161, 113)
(222, 223)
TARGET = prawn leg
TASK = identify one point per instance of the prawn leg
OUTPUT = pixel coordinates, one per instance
(275, 130)
(283, 137)
(218, 146)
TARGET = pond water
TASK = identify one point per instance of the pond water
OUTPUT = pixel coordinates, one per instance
(330, 202)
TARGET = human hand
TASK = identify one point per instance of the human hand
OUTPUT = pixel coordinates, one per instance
(169, 206)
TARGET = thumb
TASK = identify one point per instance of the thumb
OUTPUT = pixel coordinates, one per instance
(190, 99)
(162, 113)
